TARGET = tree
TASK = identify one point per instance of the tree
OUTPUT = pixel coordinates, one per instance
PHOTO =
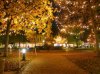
(87, 12)
(91, 38)
(16, 15)
(73, 32)
(58, 39)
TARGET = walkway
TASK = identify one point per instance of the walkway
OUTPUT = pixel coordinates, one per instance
(52, 64)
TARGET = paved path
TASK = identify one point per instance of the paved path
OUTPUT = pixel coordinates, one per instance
(52, 64)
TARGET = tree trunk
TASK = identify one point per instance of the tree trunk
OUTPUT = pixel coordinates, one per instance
(76, 40)
(96, 37)
(7, 38)
(94, 25)
(19, 44)
(97, 43)
(76, 43)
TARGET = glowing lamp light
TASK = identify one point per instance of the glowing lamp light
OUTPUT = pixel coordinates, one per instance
(23, 50)
(43, 41)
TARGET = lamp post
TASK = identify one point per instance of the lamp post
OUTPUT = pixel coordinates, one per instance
(23, 54)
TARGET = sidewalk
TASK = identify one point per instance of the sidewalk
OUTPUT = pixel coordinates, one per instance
(52, 64)
(11, 72)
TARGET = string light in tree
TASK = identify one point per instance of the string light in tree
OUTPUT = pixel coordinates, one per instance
(91, 38)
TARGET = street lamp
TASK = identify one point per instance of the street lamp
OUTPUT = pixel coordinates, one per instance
(23, 54)
(43, 41)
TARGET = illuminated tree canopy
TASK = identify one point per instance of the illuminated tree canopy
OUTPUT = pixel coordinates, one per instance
(26, 15)
(85, 12)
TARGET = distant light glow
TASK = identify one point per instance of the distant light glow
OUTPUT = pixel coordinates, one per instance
(43, 41)
(64, 45)
(57, 44)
